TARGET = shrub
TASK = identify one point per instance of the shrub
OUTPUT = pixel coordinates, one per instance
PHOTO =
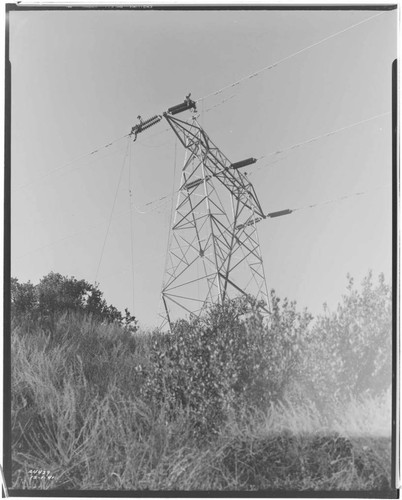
(348, 352)
(225, 360)
(55, 295)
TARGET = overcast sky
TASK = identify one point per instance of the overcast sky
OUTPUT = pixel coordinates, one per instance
(81, 78)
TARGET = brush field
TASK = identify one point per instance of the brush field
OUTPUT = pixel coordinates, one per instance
(224, 403)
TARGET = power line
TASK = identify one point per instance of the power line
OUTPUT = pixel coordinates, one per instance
(274, 153)
(70, 236)
(165, 199)
(62, 167)
(273, 65)
(269, 164)
(154, 146)
(220, 103)
(173, 183)
(252, 75)
(81, 232)
(341, 198)
(318, 137)
(111, 212)
(287, 211)
(130, 192)
(269, 215)
(171, 214)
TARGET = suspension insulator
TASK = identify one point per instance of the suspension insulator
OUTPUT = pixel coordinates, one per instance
(251, 222)
(152, 121)
(197, 182)
(184, 106)
(280, 213)
(143, 125)
(243, 163)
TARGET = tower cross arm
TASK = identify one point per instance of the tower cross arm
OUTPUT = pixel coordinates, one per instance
(194, 138)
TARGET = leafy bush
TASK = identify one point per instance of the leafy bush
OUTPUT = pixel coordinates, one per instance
(349, 351)
(225, 360)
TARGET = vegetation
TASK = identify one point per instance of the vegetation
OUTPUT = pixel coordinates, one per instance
(56, 294)
(225, 402)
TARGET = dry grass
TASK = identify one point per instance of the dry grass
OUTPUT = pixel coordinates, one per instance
(297, 447)
(77, 413)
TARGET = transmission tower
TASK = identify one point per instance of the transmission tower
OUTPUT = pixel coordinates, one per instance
(214, 252)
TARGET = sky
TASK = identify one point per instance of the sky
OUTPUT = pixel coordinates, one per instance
(81, 78)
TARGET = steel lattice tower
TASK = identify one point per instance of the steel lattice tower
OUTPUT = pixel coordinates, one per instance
(214, 252)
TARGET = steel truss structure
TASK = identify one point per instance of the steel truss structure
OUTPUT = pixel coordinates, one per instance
(214, 252)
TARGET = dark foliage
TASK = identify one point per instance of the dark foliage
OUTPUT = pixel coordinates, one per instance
(55, 295)
(226, 360)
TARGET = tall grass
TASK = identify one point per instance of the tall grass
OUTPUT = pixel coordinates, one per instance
(79, 411)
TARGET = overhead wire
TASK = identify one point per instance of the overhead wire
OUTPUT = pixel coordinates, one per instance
(341, 198)
(288, 211)
(71, 162)
(270, 215)
(152, 206)
(94, 226)
(252, 75)
(167, 197)
(153, 146)
(173, 182)
(273, 65)
(112, 210)
(170, 218)
(276, 153)
(202, 99)
(316, 138)
(326, 134)
(130, 199)
(140, 262)
(81, 232)
(219, 103)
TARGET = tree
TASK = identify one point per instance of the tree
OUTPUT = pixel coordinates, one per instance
(23, 297)
(56, 294)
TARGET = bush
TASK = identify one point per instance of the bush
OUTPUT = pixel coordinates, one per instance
(225, 360)
(55, 295)
(349, 352)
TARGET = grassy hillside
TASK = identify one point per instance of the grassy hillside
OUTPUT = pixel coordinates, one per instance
(225, 403)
